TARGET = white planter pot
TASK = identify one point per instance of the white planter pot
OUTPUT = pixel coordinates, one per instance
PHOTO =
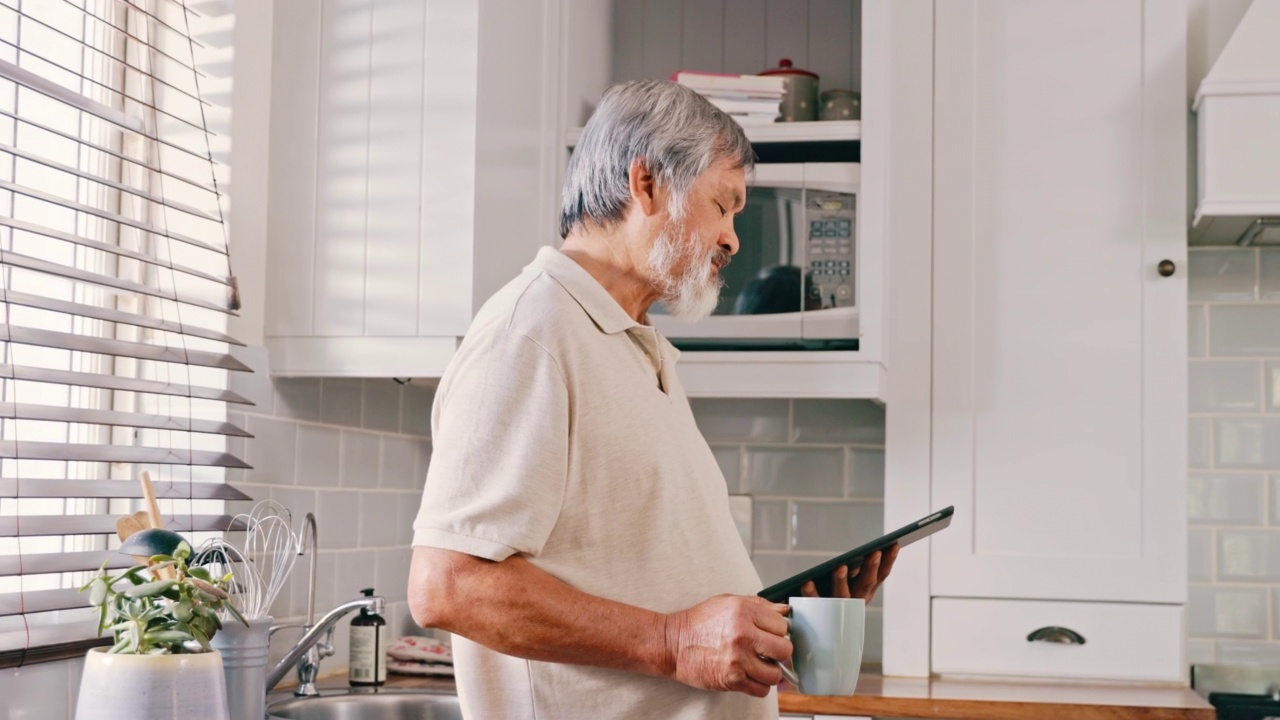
(152, 687)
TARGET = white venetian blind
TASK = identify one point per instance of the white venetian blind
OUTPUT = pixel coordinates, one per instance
(115, 287)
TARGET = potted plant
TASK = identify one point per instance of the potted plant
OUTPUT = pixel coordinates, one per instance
(161, 614)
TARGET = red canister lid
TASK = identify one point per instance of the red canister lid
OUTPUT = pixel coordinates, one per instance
(784, 68)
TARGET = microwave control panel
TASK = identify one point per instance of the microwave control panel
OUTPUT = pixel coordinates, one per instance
(831, 246)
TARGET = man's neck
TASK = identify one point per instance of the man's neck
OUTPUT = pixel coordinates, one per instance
(611, 258)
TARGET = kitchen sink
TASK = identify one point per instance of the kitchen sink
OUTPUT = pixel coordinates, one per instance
(383, 704)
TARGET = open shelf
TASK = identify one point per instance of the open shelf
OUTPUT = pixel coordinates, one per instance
(794, 132)
(817, 374)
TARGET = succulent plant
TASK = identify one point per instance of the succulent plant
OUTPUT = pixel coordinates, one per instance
(161, 607)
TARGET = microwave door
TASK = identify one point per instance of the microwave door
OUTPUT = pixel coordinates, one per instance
(778, 326)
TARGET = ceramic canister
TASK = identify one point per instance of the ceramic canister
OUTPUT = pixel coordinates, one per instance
(800, 101)
(152, 687)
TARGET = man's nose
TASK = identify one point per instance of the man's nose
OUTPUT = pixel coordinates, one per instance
(729, 241)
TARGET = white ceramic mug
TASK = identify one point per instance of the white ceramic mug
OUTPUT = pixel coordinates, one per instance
(828, 635)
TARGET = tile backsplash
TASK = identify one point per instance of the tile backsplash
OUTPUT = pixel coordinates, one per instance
(815, 472)
(1233, 482)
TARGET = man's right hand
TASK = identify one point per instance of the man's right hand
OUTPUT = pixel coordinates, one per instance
(722, 643)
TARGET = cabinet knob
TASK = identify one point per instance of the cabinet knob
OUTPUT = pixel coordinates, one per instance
(1055, 634)
(1166, 268)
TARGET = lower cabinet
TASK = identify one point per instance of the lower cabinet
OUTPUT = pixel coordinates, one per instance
(1117, 641)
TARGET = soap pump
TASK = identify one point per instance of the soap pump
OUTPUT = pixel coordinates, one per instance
(368, 662)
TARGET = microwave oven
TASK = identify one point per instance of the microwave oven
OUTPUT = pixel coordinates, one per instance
(793, 283)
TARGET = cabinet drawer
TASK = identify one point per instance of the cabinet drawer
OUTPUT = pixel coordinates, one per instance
(1122, 641)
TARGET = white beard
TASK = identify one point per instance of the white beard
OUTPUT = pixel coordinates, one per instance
(693, 295)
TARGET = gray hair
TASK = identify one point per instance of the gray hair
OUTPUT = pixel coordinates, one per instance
(676, 131)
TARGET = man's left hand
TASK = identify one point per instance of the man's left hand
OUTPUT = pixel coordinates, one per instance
(858, 581)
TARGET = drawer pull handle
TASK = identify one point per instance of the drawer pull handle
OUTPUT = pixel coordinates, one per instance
(1056, 634)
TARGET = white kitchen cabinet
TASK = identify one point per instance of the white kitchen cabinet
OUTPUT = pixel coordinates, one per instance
(411, 175)
(1059, 313)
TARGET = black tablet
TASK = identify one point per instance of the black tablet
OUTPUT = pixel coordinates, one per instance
(821, 574)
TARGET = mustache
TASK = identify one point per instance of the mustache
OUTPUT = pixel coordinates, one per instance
(721, 258)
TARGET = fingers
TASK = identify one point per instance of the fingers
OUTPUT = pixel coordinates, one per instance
(809, 589)
(840, 582)
(887, 565)
(773, 647)
(868, 578)
(774, 619)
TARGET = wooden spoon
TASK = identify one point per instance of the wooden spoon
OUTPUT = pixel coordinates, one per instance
(127, 525)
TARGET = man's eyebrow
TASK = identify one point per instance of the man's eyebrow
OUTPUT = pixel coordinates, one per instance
(737, 200)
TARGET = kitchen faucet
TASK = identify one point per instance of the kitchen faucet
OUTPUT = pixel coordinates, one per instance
(310, 649)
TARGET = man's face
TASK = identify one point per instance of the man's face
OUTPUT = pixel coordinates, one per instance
(695, 243)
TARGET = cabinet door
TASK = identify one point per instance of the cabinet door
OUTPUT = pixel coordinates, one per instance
(1059, 348)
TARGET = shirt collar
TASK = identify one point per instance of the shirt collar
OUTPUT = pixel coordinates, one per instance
(604, 311)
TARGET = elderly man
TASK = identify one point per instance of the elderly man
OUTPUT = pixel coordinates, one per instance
(574, 532)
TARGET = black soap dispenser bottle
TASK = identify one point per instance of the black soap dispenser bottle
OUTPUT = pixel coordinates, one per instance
(368, 665)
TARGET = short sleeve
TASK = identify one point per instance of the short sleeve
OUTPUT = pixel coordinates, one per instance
(500, 447)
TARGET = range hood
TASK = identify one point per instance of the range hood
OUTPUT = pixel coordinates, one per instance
(1238, 135)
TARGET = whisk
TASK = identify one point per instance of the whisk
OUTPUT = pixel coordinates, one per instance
(260, 571)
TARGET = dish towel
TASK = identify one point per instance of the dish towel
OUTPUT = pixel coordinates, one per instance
(417, 655)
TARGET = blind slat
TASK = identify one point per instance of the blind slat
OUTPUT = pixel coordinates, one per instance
(65, 271)
(116, 382)
(42, 601)
(60, 562)
(138, 192)
(53, 90)
(120, 348)
(46, 525)
(64, 641)
(22, 450)
(108, 215)
(118, 418)
(141, 162)
(124, 489)
(115, 316)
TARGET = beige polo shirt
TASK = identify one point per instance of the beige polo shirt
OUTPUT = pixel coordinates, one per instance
(560, 432)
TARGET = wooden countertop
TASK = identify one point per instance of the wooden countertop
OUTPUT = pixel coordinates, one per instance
(1004, 700)
(878, 696)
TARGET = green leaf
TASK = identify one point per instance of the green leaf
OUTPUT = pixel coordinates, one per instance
(150, 589)
(200, 573)
(97, 592)
(183, 550)
(236, 613)
(169, 637)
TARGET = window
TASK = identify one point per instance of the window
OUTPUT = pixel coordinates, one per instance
(116, 287)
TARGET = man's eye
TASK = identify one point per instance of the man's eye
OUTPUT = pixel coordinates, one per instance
(722, 210)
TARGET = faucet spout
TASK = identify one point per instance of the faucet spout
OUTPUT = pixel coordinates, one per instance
(375, 604)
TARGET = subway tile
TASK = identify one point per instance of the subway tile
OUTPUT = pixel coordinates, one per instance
(742, 420)
(1226, 499)
(298, 398)
(1272, 373)
(325, 568)
(1247, 442)
(399, 463)
(1238, 653)
(361, 459)
(776, 566)
(319, 450)
(256, 387)
(807, 472)
(873, 638)
(838, 421)
(729, 458)
(866, 474)
(1200, 554)
(742, 511)
(339, 519)
(1199, 452)
(1275, 499)
(1222, 275)
(1224, 386)
(1269, 288)
(379, 514)
(834, 526)
(1227, 611)
(356, 570)
(1197, 331)
(770, 525)
(272, 451)
(1200, 652)
(408, 512)
(392, 579)
(416, 413)
(424, 449)
(1244, 330)
(1275, 614)
(1249, 555)
(299, 502)
(256, 494)
(341, 401)
(381, 405)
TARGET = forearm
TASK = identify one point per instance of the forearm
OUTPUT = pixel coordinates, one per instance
(517, 609)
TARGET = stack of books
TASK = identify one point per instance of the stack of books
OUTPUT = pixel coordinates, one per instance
(749, 99)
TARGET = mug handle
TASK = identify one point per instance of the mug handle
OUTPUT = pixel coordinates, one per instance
(787, 673)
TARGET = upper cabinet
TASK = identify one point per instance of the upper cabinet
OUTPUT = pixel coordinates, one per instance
(1059, 335)
(411, 172)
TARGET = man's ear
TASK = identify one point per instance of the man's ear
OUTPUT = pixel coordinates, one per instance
(644, 187)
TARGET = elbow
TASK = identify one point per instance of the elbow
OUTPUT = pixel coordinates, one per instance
(429, 588)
